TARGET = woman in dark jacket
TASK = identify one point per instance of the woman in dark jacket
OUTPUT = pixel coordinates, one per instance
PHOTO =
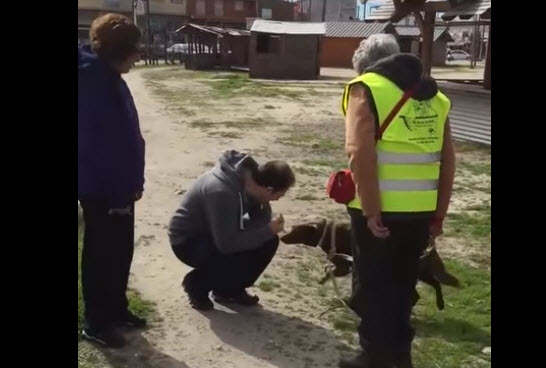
(110, 175)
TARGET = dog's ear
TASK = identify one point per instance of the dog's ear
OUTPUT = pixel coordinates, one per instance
(301, 234)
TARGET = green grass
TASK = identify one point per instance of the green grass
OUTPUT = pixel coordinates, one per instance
(172, 73)
(136, 303)
(471, 225)
(223, 85)
(448, 339)
(313, 141)
(476, 168)
(307, 197)
(462, 147)
(310, 171)
(239, 85)
(243, 123)
(268, 285)
(329, 163)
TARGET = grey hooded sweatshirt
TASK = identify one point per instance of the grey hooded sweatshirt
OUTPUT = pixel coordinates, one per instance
(215, 206)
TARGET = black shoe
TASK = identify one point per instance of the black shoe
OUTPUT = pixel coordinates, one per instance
(130, 320)
(197, 302)
(202, 303)
(243, 298)
(107, 337)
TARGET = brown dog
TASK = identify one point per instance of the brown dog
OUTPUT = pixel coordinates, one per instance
(431, 268)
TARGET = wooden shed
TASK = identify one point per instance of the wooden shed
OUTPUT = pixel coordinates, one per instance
(285, 50)
(211, 47)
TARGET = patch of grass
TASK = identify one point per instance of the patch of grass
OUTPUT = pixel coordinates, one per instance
(313, 141)
(461, 147)
(244, 123)
(448, 339)
(307, 197)
(268, 285)
(483, 207)
(175, 100)
(349, 337)
(136, 304)
(345, 322)
(269, 107)
(174, 73)
(330, 163)
(224, 134)
(208, 164)
(474, 168)
(239, 85)
(476, 226)
(310, 171)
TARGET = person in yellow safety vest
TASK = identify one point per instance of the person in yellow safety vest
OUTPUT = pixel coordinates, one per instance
(403, 183)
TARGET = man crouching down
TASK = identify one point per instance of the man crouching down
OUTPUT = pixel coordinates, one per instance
(223, 228)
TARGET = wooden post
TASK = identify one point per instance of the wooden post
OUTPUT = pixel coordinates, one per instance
(428, 39)
(165, 47)
(487, 72)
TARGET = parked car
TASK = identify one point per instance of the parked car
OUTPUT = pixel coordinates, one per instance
(453, 55)
(178, 48)
(178, 51)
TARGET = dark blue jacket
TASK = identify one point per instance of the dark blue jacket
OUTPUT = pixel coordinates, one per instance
(110, 146)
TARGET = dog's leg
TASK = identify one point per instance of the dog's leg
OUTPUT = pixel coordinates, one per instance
(429, 280)
(447, 279)
(439, 295)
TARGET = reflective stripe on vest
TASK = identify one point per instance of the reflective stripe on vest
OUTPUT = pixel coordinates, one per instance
(407, 158)
(409, 153)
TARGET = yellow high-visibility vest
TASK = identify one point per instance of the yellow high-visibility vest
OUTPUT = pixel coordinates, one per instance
(409, 151)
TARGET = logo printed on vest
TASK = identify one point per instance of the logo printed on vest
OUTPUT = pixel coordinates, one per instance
(421, 120)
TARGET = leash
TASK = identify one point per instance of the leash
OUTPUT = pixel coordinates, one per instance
(430, 247)
(331, 252)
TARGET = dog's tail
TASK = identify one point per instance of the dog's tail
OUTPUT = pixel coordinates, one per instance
(446, 278)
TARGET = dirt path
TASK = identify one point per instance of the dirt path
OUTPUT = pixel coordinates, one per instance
(269, 336)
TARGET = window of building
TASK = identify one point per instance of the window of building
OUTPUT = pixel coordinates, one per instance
(219, 8)
(267, 13)
(112, 4)
(200, 7)
(177, 2)
(239, 5)
(268, 44)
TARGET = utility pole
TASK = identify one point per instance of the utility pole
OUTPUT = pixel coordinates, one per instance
(149, 28)
(324, 10)
(135, 17)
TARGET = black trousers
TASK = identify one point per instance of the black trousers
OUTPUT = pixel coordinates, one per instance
(225, 274)
(384, 278)
(108, 246)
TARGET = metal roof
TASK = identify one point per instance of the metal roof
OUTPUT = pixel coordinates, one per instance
(354, 29)
(270, 26)
(480, 7)
(414, 31)
(214, 30)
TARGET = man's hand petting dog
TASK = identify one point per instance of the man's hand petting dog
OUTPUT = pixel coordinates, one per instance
(375, 224)
(277, 225)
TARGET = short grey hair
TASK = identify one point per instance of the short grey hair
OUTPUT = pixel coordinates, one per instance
(372, 49)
